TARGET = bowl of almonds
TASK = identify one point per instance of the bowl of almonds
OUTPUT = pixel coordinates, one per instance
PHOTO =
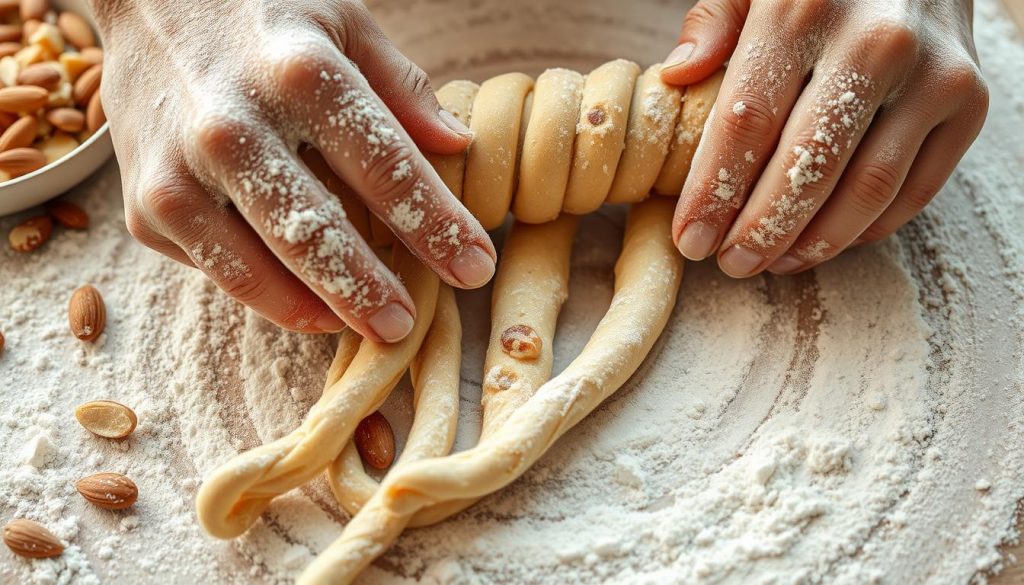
(53, 132)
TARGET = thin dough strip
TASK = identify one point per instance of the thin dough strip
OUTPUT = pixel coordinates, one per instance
(457, 98)
(647, 277)
(232, 497)
(435, 380)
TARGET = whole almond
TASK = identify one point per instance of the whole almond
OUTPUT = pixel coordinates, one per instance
(375, 441)
(76, 30)
(86, 85)
(87, 314)
(31, 233)
(9, 6)
(31, 539)
(111, 491)
(10, 33)
(36, 9)
(67, 119)
(68, 214)
(95, 117)
(9, 48)
(19, 134)
(43, 75)
(93, 55)
(21, 161)
(106, 418)
(29, 28)
(23, 98)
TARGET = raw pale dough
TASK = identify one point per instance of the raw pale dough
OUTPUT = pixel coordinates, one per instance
(581, 142)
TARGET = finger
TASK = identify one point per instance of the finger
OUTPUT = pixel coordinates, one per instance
(218, 241)
(935, 163)
(369, 150)
(829, 121)
(757, 95)
(402, 86)
(140, 228)
(302, 224)
(710, 32)
(867, 187)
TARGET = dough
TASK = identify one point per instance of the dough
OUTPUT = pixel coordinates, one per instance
(697, 104)
(457, 97)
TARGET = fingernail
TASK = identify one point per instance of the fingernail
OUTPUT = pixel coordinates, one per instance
(785, 265)
(697, 241)
(739, 262)
(328, 322)
(392, 323)
(452, 122)
(473, 267)
(679, 55)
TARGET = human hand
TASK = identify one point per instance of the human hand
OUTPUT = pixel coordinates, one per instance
(837, 122)
(208, 103)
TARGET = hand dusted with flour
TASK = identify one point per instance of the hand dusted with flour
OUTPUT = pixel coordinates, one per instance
(207, 129)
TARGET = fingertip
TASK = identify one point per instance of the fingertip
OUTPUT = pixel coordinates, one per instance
(392, 322)
(696, 66)
(473, 267)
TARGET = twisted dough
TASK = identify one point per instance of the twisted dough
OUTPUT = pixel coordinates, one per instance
(611, 136)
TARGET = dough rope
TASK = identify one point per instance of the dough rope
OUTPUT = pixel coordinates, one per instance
(566, 143)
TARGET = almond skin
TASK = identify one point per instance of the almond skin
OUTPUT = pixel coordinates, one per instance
(31, 539)
(31, 233)
(10, 33)
(110, 491)
(95, 117)
(86, 85)
(42, 75)
(19, 134)
(87, 315)
(25, 98)
(521, 342)
(375, 441)
(21, 161)
(69, 120)
(68, 214)
(107, 419)
(9, 48)
(34, 9)
(76, 30)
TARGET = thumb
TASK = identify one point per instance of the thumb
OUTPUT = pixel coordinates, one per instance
(405, 89)
(711, 30)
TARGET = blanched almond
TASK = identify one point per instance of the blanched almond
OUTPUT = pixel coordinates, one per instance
(87, 314)
(36, 9)
(43, 75)
(95, 117)
(24, 98)
(68, 214)
(111, 491)
(48, 37)
(74, 64)
(57, 146)
(30, 539)
(9, 69)
(19, 134)
(30, 54)
(87, 84)
(375, 441)
(76, 30)
(67, 119)
(30, 234)
(107, 419)
(21, 161)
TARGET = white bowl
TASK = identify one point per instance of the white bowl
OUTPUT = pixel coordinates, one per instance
(57, 177)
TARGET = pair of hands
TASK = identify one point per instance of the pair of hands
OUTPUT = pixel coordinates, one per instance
(837, 122)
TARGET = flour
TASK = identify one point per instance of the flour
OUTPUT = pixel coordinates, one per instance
(835, 427)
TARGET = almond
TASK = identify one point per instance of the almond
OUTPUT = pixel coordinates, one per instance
(31, 54)
(25, 98)
(19, 134)
(74, 64)
(57, 146)
(521, 342)
(68, 214)
(48, 37)
(9, 6)
(43, 75)
(95, 117)
(29, 28)
(36, 9)
(86, 313)
(106, 418)
(21, 161)
(31, 233)
(9, 69)
(31, 539)
(9, 48)
(93, 55)
(66, 119)
(10, 33)
(76, 30)
(375, 441)
(111, 491)
(86, 85)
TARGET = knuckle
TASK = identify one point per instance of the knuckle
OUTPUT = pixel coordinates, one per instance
(440, 238)
(892, 37)
(216, 133)
(797, 14)
(168, 202)
(299, 66)
(416, 80)
(245, 289)
(917, 197)
(873, 187)
(751, 124)
(392, 174)
(139, 228)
